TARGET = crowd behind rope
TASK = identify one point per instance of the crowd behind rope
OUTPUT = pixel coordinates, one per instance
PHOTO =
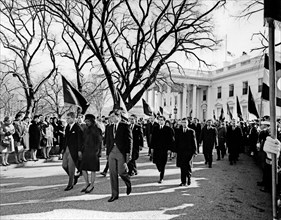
(45, 137)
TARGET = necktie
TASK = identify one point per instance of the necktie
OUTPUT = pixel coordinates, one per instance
(114, 130)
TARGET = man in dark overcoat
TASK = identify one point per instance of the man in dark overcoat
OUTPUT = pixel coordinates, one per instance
(234, 141)
(162, 142)
(196, 126)
(118, 149)
(185, 147)
(137, 144)
(149, 127)
(209, 139)
(72, 148)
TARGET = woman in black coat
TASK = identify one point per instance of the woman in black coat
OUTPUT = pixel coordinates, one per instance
(34, 137)
(91, 148)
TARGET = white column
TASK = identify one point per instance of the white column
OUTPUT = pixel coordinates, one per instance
(173, 104)
(146, 96)
(184, 95)
(153, 100)
(194, 103)
(209, 103)
(159, 99)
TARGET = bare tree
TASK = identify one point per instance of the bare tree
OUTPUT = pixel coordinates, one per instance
(132, 41)
(23, 31)
(52, 97)
(251, 7)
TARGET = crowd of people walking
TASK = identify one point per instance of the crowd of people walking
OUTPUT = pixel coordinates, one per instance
(79, 140)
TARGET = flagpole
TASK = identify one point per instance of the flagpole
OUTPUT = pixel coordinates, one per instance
(272, 104)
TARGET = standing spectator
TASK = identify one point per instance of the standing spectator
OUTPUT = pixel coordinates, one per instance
(25, 138)
(169, 124)
(92, 140)
(209, 139)
(34, 137)
(56, 131)
(185, 148)
(234, 140)
(7, 141)
(162, 142)
(253, 139)
(43, 139)
(221, 149)
(266, 167)
(118, 149)
(61, 127)
(72, 148)
(49, 135)
(137, 144)
(19, 132)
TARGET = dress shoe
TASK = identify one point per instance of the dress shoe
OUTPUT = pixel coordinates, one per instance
(68, 188)
(103, 174)
(85, 188)
(210, 166)
(188, 181)
(113, 199)
(129, 189)
(160, 181)
(89, 189)
(24, 160)
(3, 164)
(182, 184)
(75, 179)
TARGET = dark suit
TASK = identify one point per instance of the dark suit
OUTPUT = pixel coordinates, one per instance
(149, 127)
(72, 144)
(116, 148)
(162, 140)
(185, 148)
(209, 139)
(137, 144)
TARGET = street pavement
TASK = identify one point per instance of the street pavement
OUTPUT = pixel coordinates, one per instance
(35, 190)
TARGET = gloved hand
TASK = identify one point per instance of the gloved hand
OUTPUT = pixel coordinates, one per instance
(272, 146)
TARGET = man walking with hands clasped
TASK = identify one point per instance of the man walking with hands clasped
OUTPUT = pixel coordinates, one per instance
(185, 146)
(118, 148)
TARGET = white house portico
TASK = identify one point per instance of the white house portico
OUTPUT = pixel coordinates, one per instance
(202, 94)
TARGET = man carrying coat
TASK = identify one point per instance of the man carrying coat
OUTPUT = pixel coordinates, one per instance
(185, 147)
(72, 148)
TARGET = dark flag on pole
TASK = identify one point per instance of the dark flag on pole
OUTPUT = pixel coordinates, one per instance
(251, 104)
(161, 110)
(222, 115)
(121, 105)
(238, 109)
(265, 83)
(146, 108)
(73, 96)
(229, 112)
(272, 9)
